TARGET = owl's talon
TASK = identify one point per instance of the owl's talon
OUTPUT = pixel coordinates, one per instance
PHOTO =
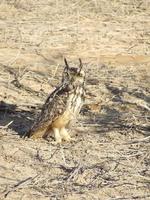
(65, 135)
(70, 139)
(56, 143)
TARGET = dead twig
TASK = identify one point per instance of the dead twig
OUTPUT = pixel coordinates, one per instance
(25, 181)
(75, 172)
(138, 141)
(7, 125)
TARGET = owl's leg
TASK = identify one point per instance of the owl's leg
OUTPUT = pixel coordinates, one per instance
(57, 135)
(65, 135)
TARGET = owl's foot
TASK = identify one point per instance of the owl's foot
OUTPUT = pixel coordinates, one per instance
(70, 139)
(61, 135)
(65, 135)
(57, 136)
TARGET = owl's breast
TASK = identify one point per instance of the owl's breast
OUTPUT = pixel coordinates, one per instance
(72, 108)
(75, 101)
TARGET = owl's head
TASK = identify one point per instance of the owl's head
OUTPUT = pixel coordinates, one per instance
(74, 75)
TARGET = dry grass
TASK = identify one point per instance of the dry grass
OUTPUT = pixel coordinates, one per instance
(109, 159)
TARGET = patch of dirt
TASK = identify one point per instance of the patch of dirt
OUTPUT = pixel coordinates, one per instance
(110, 157)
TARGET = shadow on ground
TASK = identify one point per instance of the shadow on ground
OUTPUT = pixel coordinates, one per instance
(17, 119)
(118, 92)
(113, 118)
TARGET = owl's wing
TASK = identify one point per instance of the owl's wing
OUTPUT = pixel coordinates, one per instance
(54, 106)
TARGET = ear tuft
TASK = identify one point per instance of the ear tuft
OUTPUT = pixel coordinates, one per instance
(80, 63)
(66, 63)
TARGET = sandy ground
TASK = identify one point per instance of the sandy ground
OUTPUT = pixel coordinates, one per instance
(110, 157)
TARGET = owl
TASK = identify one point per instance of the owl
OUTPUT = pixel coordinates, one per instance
(62, 105)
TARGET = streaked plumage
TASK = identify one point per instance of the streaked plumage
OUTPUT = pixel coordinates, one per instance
(61, 106)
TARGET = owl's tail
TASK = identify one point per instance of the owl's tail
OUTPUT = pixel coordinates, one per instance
(38, 133)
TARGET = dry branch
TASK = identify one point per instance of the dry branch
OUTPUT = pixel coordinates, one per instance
(20, 183)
